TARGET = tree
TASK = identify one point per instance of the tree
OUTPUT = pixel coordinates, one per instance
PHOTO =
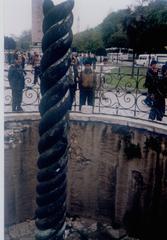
(136, 27)
(143, 2)
(101, 52)
(157, 25)
(24, 41)
(88, 41)
(119, 39)
(146, 27)
(113, 33)
(9, 43)
(142, 28)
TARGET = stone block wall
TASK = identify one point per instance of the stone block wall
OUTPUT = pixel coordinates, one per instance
(118, 173)
(20, 157)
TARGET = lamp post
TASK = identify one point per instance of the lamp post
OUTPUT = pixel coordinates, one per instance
(54, 105)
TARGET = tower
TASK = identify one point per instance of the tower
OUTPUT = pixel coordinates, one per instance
(37, 18)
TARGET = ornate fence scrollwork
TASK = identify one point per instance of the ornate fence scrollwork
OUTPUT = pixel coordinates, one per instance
(54, 105)
(117, 91)
(120, 92)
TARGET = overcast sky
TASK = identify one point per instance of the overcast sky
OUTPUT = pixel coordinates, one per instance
(87, 13)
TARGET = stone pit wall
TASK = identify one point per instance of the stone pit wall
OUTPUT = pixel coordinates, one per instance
(117, 170)
(20, 157)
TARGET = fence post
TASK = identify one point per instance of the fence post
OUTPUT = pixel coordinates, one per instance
(54, 105)
(137, 89)
(100, 85)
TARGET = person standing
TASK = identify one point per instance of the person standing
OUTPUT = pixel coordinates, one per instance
(151, 76)
(16, 54)
(29, 57)
(23, 60)
(94, 60)
(164, 70)
(72, 87)
(155, 98)
(9, 58)
(75, 66)
(36, 65)
(157, 111)
(16, 80)
(87, 84)
(89, 58)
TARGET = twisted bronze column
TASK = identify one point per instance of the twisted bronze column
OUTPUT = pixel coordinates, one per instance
(55, 102)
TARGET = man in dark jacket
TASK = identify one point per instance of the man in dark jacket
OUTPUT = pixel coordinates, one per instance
(16, 81)
(164, 70)
(151, 77)
(155, 97)
(163, 88)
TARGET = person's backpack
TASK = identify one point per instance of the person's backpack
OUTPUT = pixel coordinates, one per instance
(88, 80)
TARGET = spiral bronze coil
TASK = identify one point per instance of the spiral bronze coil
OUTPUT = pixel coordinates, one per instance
(54, 105)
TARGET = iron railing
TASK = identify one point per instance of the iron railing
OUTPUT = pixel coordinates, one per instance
(118, 92)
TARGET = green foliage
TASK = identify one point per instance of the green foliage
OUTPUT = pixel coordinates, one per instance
(142, 28)
(101, 51)
(88, 41)
(113, 33)
(146, 27)
(119, 39)
(24, 41)
(9, 43)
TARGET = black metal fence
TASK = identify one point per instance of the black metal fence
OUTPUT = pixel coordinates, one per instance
(118, 92)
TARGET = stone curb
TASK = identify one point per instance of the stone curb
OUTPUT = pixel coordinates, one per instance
(120, 120)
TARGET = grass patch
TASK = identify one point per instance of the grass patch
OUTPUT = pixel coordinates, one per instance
(122, 77)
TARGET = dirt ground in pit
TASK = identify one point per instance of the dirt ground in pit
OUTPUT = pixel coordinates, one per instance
(76, 229)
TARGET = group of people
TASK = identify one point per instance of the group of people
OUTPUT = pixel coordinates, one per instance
(27, 56)
(86, 79)
(156, 83)
(80, 59)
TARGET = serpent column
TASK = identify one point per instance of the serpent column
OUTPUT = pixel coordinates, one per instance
(54, 105)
